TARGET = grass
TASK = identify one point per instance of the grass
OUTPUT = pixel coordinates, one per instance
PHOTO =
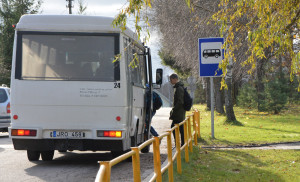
(253, 127)
(240, 165)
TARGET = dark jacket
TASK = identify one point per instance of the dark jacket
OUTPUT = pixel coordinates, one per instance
(178, 113)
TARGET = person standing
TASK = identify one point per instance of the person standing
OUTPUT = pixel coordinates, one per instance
(177, 113)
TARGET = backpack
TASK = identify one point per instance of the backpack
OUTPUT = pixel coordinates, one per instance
(157, 102)
(187, 100)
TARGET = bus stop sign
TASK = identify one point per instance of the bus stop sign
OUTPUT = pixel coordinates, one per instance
(210, 55)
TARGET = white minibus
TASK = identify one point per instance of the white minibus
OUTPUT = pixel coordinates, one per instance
(68, 93)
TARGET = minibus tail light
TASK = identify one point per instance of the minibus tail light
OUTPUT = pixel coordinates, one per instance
(118, 134)
(111, 134)
(106, 133)
(22, 132)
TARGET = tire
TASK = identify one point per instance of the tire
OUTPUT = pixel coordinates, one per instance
(47, 155)
(205, 56)
(146, 149)
(33, 155)
(134, 138)
(216, 55)
(118, 153)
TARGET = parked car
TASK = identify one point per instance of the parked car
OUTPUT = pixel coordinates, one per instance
(4, 108)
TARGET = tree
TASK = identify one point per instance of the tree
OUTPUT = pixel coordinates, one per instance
(218, 91)
(270, 27)
(82, 7)
(230, 116)
(260, 22)
(10, 13)
(169, 60)
(276, 89)
(180, 30)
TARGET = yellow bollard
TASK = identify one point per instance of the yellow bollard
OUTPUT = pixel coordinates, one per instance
(179, 170)
(186, 148)
(198, 123)
(195, 129)
(190, 134)
(156, 159)
(136, 165)
(106, 177)
(170, 161)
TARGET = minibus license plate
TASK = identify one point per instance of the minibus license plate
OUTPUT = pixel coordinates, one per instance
(67, 134)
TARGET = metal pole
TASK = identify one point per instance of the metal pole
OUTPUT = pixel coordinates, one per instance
(170, 87)
(70, 6)
(212, 106)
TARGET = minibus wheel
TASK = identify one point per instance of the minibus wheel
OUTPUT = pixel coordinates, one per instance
(47, 155)
(118, 153)
(33, 155)
(146, 149)
(134, 138)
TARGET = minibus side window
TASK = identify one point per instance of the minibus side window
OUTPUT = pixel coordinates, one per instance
(137, 68)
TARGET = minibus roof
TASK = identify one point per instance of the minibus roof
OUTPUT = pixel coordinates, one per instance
(70, 23)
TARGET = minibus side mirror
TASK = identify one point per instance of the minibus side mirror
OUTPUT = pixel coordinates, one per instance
(159, 76)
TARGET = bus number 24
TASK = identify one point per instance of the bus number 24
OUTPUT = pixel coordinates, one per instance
(117, 85)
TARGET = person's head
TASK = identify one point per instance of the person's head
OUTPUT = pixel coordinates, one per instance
(174, 79)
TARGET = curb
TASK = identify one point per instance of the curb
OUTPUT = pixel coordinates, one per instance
(296, 144)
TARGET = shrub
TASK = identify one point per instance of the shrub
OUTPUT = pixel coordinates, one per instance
(247, 97)
(276, 94)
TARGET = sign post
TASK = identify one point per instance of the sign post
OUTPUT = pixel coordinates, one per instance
(211, 54)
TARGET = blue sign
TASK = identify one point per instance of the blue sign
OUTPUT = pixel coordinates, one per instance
(210, 55)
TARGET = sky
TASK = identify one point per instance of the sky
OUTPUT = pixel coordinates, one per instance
(94, 7)
(108, 8)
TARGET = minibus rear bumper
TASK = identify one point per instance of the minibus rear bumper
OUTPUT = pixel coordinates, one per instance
(68, 144)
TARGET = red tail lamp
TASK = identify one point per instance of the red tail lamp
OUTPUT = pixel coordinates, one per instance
(113, 134)
(22, 132)
(8, 108)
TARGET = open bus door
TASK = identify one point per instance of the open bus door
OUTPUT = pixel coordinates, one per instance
(159, 76)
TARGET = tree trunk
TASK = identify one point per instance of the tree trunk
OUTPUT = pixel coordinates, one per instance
(208, 104)
(218, 94)
(228, 94)
(260, 84)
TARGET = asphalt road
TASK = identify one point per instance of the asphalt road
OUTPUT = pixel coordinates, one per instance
(74, 166)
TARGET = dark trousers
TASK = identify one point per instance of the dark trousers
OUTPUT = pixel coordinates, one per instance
(180, 129)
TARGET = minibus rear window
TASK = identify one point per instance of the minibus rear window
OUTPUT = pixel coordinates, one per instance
(3, 96)
(78, 57)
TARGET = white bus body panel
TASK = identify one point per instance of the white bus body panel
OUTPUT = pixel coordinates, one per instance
(85, 106)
